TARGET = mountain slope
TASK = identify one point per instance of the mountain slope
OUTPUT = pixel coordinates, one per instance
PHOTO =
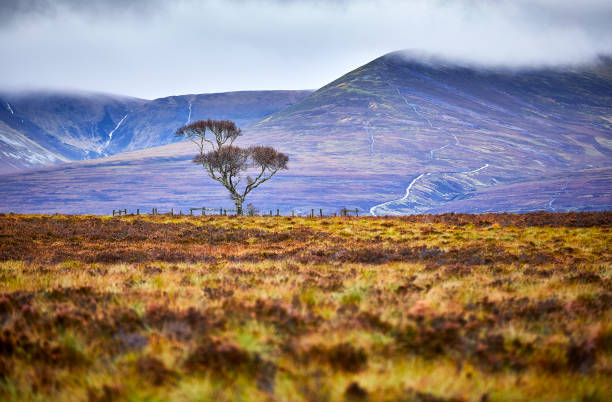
(58, 127)
(437, 121)
(20, 152)
(398, 135)
(440, 116)
(74, 126)
(154, 123)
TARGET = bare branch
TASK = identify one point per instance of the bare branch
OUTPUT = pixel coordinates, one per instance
(225, 162)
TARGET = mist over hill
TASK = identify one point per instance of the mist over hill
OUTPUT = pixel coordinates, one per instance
(399, 135)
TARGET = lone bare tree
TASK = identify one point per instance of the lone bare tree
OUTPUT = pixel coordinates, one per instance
(227, 163)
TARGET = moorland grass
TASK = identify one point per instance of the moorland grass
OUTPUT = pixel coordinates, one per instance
(429, 308)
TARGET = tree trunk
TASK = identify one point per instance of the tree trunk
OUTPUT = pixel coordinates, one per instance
(238, 201)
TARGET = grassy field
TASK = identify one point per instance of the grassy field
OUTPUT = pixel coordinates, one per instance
(425, 308)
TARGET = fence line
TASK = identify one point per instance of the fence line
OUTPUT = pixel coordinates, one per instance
(224, 212)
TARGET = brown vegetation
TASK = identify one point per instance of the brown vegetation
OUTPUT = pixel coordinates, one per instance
(451, 307)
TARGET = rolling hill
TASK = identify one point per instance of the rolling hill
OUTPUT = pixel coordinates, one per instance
(399, 135)
(45, 128)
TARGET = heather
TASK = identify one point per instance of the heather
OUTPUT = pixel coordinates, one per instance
(426, 308)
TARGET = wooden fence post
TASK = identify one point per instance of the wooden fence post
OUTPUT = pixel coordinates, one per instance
(312, 213)
(277, 212)
(171, 211)
(221, 211)
(292, 213)
(321, 212)
(137, 211)
(357, 211)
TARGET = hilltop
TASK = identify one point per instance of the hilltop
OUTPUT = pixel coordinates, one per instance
(399, 135)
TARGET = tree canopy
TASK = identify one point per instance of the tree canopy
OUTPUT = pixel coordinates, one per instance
(227, 163)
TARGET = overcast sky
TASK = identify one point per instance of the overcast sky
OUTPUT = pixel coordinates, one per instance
(158, 48)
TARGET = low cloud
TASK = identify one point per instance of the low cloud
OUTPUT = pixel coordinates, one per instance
(19, 11)
(158, 48)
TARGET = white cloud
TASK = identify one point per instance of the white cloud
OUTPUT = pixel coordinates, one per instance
(191, 47)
